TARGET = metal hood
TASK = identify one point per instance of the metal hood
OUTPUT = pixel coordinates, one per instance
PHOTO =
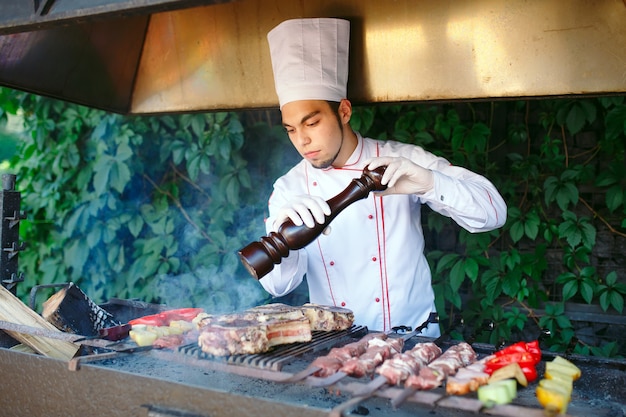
(166, 56)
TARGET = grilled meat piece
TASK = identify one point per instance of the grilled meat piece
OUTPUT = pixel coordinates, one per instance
(465, 380)
(398, 368)
(170, 341)
(466, 353)
(367, 362)
(395, 345)
(328, 365)
(348, 351)
(328, 318)
(425, 353)
(234, 338)
(402, 365)
(427, 378)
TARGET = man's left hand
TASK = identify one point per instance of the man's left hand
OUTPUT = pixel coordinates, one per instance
(402, 176)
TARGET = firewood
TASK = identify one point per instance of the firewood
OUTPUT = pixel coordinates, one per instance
(72, 311)
(13, 310)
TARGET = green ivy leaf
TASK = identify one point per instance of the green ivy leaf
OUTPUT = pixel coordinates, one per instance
(571, 233)
(511, 283)
(93, 237)
(119, 176)
(447, 261)
(197, 123)
(531, 227)
(491, 284)
(115, 257)
(102, 170)
(471, 269)
(586, 290)
(225, 149)
(477, 138)
(457, 276)
(75, 223)
(588, 234)
(516, 231)
(615, 197)
(617, 301)
(611, 278)
(564, 322)
(604, 300)
(178, 149)
(570, 289)
(135, 225)
(123, 152)
(193, 166)
(205, 164)
(75, 255)
(458, 135)
(615, 122)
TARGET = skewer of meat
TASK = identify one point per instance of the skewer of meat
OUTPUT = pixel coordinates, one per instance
(448, 363)
(329, 364)
(398, 368)
(338, 356)
(433, 375)
(377, 351)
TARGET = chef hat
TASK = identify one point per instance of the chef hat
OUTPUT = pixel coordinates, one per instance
(310, 59)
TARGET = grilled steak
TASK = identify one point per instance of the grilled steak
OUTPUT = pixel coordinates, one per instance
(234, 337)
(327, 318)
(258, 329)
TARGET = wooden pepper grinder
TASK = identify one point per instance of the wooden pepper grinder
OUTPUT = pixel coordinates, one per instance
(261, 256)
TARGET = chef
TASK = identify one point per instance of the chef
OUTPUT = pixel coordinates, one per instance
(370, 259)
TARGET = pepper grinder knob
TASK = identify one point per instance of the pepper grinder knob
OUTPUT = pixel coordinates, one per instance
(260, 257)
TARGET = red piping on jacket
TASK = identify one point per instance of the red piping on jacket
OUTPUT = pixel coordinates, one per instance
(319, 247)
(382, 257)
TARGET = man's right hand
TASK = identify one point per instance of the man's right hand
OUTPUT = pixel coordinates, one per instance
(307, 209)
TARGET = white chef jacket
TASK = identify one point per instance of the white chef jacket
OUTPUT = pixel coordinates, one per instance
(373, 261)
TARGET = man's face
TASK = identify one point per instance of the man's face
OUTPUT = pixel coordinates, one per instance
(314, 130)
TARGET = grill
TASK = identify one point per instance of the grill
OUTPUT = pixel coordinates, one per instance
(188, 382)
(282, 355)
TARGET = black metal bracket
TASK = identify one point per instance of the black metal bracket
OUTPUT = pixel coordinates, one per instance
(42, 7)
(10, 246)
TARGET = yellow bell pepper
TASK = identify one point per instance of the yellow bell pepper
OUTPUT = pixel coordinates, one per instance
(553, 401)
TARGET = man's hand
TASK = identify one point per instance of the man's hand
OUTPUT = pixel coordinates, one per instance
(307, 209)
(402, 176)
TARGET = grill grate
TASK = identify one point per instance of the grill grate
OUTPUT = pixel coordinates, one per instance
(280, 355)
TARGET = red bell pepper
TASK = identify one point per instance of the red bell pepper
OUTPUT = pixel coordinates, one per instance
(165, 317)
(519, 347)
(186, 314)
(527, 355)
(530, 372)
(152, 320)
(533, 349)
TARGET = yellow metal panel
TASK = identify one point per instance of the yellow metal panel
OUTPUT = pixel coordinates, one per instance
(217, 57)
